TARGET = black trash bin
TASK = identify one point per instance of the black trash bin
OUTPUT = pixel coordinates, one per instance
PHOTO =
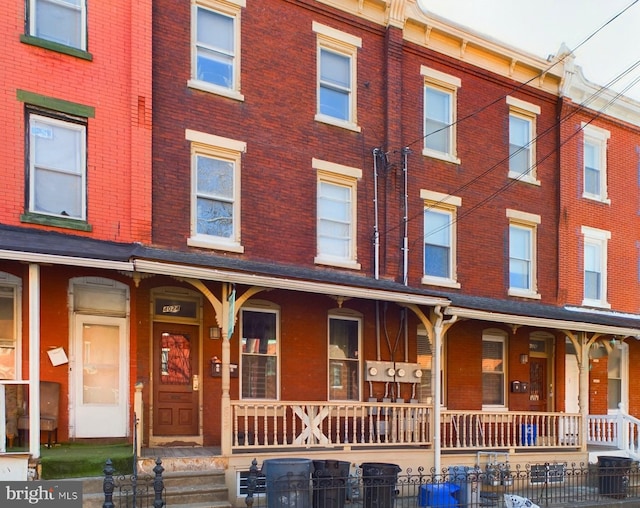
(613, 473)
(288, 482)
(379, 481)
(330, 479)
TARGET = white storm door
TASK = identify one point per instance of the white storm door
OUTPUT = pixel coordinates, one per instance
(100, 373)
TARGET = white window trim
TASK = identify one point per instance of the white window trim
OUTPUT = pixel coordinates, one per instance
(347, 45)
(83, 28)
(444, 203)
(597, 136)
(218, 147)
(624, 379)
(600, 238)
(80, 127)
(9, 280)
(529, 112)
(346, 315)
(267, 307)
(498, 336)
(230, 8)
(448, 84)
(338, 174)
(529, 221)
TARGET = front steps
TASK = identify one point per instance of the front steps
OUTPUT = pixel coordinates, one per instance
(199, 488)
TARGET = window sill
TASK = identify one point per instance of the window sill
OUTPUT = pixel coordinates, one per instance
(436, 281)
(446, 157)
(596, 303)
(337, 122)
(524, 178)
(340, 263)
(59, 222)
(211, 243)
(203, 86)
(55, 46)
(597, 199)
(523, 293)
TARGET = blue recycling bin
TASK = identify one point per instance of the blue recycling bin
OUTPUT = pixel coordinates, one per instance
(529, 434)
(438, 494)
(288, 482)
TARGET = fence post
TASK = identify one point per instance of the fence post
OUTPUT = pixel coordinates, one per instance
(158, 484)
(252, 482)
(107, 484)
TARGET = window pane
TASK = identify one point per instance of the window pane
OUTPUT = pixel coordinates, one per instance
(519, 258)
(492, 389)
(259, 355)
(335, 85)
(334, 220)
(437, 120)
(344, 377)
(437, 227)
(59, 21)
(592, 285)
(214, 207)
(519, 149)
(101, 364)
(436, 261)
(215, 48)
(7, 334)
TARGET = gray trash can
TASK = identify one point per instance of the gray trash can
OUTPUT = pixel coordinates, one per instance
(468, 479)
(288, 482)
(379, 481)
(330, 481)
(613, 476)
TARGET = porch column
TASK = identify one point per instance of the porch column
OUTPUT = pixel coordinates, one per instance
(225, 403)
(583, 394)
(34, 360)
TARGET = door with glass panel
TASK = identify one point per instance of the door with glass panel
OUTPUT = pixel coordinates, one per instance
(100, 370)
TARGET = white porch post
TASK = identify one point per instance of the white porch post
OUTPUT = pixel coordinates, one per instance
(436, 382)
(225, 403)
(583, 393)
(34, 360)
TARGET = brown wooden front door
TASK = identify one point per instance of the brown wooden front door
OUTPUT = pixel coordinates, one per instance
(175, 362)
(538, 392)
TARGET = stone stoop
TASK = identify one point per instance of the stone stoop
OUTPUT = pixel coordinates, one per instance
(201, 488)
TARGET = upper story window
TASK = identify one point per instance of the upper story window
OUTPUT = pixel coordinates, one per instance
(440, 238)
(336, 214)
(522, 140)
(344, 355)
(57, 165)
(522, 253)
(60, 21)
(10, 301)
(595, 267)
(215, 52)
(595, 163)
(440, 110)
(493, 369)
(259, 331)
(215, 199)
(336, 71)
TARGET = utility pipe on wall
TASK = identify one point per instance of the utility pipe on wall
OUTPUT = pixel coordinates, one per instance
(405, 219)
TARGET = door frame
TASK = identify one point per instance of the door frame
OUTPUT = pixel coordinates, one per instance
(192, 318)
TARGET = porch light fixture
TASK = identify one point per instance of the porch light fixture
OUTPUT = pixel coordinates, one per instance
(524, 359)
(214, 332)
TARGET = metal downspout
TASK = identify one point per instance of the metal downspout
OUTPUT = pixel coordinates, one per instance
(405, 219)
(34, 360)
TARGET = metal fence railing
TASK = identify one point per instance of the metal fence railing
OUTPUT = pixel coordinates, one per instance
(304, 483)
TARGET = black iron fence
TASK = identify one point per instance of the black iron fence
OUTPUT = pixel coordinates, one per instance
(302, 483)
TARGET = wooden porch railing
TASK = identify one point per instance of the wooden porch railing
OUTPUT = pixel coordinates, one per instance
(621, 431)
(462, 430)
(328, 424)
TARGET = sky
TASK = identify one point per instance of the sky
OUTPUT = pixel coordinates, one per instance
(541, 26)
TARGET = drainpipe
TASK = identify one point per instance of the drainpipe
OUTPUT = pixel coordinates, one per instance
(405, 243)
(377, 152)
(34, 360)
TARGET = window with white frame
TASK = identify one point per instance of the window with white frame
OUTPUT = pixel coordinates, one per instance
(57, 165)
(493, 368)
(344, 355)
(10, 300)
(215, 60)
(336, 214)
(595, 163)
(595, 266)
(215, 208)
(336, 75)
(522, 136)
(440, 238)
(440, 92)
(522, 253)
(60, 21)
(618, 376)
(259, 343)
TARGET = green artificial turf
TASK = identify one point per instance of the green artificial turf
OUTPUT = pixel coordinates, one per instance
(72, 460)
